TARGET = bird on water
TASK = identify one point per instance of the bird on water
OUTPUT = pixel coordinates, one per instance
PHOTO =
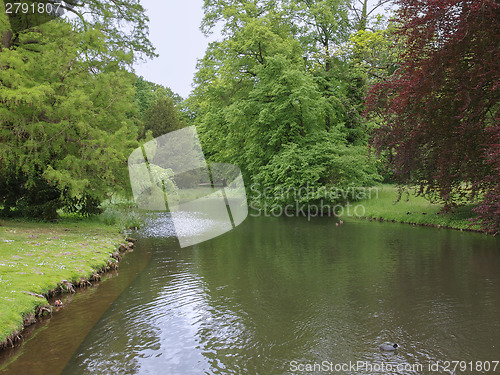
(388, 348)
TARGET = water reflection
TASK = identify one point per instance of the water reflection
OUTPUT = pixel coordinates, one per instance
(278, 292)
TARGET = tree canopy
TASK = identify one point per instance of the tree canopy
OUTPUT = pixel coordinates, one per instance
(67, 124)
(282, 82)
(282, 94)
(439, 112)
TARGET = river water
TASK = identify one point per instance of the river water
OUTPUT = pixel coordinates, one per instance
(282, 296)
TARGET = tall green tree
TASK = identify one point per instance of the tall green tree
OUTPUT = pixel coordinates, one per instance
(67, 124)
(262, 92)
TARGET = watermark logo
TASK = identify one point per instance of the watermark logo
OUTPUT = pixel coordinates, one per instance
(25, 14)
(310, 201)
(171, 173)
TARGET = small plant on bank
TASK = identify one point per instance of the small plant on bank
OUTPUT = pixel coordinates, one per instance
(132, 220)
(124, 219)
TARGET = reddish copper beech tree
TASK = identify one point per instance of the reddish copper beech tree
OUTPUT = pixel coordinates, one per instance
(440, 111)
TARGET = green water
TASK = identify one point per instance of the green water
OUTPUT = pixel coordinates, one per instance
(280, 296)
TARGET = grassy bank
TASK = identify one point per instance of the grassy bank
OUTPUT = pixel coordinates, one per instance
(36, 257)
(410, 209)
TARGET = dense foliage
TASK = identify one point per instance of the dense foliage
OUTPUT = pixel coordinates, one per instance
(70, 112)
(281, 95)
(440, 110)
(283, 91)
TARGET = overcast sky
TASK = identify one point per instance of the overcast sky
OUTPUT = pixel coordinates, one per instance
(174, 30)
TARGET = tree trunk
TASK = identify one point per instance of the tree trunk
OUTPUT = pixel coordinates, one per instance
(364, 16)
(6, 40)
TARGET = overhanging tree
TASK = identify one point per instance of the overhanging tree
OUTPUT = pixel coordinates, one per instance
(66, 120)
(440, 110)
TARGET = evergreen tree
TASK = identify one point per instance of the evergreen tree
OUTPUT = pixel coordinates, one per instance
(67, 124)
(161, 117)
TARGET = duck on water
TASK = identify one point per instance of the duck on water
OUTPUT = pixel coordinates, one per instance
(388, 347)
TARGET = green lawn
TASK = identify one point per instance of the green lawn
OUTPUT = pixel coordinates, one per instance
(414, 210)
(36, 257)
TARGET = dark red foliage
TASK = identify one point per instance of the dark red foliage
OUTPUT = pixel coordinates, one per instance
(441, 109)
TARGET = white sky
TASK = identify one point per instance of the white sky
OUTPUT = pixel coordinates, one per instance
(174, 30)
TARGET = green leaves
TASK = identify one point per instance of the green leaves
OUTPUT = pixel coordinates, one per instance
(161, 117)
(123, 24)
(375, 52)
(322, 162)
(67, 123)
(280, 98)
